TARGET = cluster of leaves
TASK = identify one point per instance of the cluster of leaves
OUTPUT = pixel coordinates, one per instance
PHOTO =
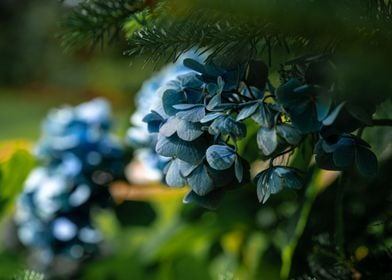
(79, 159)
(203, 114)
(325, 262)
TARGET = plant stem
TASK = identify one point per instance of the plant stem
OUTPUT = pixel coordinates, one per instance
(382, 122)
(320, 180)
(339, 215)
(289, 249)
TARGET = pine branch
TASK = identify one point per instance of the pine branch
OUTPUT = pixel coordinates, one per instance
(99, 21)
(223, 28)
(224, 38)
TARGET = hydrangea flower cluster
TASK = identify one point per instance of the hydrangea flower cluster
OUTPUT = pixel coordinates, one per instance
(138, 136)
(202, 115)
(79, 159)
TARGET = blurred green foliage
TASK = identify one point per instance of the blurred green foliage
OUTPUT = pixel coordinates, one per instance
(11, 184)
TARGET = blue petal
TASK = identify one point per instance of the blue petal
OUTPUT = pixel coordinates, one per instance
(172, 97)
(188, 131)
(173, 176)
(193, 115)
(220, 157)
(239, 169)
(323, 104)
(210, 117)
(290, 134)
(169, 127)
(194, 65)
(285, 94)
(215, 101)
(210, 201)
(343, 156)
(247, 111)
(267, 140)
(330, 119)
(200, 181)
(366, 161)
(153, 116)
(191, 152)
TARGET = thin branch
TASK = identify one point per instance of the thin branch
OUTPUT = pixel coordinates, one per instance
(382, 122)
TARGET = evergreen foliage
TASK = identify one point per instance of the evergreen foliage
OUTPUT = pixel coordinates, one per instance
(96, 22)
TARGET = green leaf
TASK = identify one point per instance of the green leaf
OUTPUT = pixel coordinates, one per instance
(14, 172)
(360, 113)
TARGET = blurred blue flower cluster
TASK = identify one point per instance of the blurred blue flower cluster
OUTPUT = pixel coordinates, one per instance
(79, 158)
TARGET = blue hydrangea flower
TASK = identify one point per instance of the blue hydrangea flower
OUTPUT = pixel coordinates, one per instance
(191, 121)
(274, 179)
(307, 105)
(148, 100)
(338, 152)
(80, 158)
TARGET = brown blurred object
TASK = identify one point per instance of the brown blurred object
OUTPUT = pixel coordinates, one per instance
(122, 191)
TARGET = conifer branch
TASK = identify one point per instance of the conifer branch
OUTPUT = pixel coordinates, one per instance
(95, 22)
